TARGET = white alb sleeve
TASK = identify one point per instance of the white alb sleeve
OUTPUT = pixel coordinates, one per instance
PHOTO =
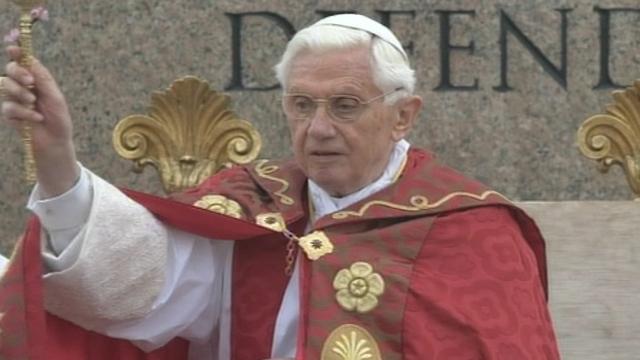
(117, 270)
(62, 218)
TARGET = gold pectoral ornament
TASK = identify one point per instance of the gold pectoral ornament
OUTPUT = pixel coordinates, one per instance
(315, 245)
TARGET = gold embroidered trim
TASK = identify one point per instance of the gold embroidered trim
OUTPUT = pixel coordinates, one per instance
(417, 203)
(350, 342)
(264, 171)
(401, 168)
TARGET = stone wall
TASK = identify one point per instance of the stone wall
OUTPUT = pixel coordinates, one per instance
(506, 83)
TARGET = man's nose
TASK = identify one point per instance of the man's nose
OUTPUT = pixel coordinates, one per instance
(320, 124)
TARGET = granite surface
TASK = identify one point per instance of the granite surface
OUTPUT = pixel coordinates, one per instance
(593, 252)
(109, 56)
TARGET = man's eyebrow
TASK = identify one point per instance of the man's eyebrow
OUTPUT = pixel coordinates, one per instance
(295, 89)
(348, 90)
(344, 89)
(353, 87)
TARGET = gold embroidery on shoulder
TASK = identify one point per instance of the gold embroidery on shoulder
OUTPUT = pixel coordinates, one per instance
(221, 205)
(350, 342)
(265, 171)
(417, 203)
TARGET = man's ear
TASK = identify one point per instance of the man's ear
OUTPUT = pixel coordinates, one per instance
(407, 113)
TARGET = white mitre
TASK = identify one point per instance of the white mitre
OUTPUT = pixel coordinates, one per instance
(361, 22)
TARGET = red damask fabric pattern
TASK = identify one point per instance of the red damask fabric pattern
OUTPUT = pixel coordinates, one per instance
(476, 288)
(476, 293)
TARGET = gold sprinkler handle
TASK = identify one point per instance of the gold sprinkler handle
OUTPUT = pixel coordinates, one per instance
(26, 59)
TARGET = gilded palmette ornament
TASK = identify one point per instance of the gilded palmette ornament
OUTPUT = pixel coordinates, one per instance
(189, 134)
(614, 137)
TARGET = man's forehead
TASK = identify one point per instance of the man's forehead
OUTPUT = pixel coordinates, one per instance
(356, 57)
(339, 69)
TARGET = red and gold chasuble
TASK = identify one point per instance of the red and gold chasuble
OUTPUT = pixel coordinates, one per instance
(435, 266)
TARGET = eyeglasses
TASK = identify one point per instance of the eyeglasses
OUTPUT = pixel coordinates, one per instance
(341, 108)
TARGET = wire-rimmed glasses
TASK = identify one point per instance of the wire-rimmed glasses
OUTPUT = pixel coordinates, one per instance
(341, 108)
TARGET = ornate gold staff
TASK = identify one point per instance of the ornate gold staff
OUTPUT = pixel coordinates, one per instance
(26, 23)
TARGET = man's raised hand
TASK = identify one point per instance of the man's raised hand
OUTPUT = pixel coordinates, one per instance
(32, 95)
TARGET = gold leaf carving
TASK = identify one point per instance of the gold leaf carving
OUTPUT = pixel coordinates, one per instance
(189, 134)
(350, 342)
(614, 137)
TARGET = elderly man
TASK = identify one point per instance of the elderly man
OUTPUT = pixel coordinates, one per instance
(377, 251)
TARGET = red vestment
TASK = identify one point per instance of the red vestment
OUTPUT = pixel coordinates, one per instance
(464, 272)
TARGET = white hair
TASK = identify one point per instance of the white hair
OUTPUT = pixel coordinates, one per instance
(389, 67)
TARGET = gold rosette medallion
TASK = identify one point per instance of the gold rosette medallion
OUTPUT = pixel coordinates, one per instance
(358, 287)
(221, 205)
